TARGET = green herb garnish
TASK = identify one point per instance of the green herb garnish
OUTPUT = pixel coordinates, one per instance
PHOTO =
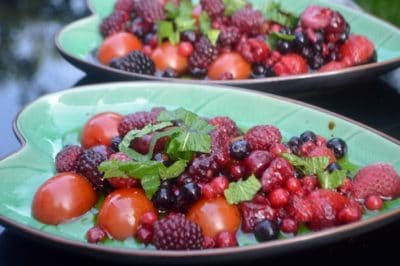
(275, 37)
(231, 6)
(206, 29)
(242, 190)
(273, 11)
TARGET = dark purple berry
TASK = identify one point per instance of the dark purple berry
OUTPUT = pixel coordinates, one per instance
(266, 231)
(333, 167)
(307, 136)
(284, 47)
(115, 141)
(170, 73)
(258, 71)
(338, 146)
(191, 192)
(294, 145)
(189, 36)
(240, 149)
(164, 198)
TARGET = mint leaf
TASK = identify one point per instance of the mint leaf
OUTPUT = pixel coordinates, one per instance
(275, 37)
(309, 165)
(124, 146)
(111, 169)
(171, 10)
(231, 6)
(173, 151)
(185, 24)
(350, 168)
(213, 36)
(331, 180)
(165, 29)
(274, 12)
(242, 190)
(174, 170)
(150, 185)
(205, 23)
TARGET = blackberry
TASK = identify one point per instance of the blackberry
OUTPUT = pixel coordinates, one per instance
(220, 143)
(284, 47)
(116, 22)
(125, 5)
(137, 62)
(175, 232)
(66, 159)
(248, 20)
(317, 61)
(300, 41)
(150, 11)
(170, 73)
(87, 166)
(203, 55)
(203, 168)
(137, 120)
(258, 71)
(214, 8)
(229, 36)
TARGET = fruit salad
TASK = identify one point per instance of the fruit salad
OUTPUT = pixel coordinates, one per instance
(227, 40)
(177, 181)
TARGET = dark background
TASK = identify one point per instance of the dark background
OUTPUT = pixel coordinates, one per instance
(30, 67)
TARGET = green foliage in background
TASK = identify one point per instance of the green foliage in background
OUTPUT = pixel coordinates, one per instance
(386, 9)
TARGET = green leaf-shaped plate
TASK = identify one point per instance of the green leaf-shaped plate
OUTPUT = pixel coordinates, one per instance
(55, 120)
(77, 41)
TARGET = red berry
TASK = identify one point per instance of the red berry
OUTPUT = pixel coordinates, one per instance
(220, 147)
(114, 23)
(357, 50)
(254, 50)
(208, 242)
(208, 192)
(225, 239)
(377, 179)
(253, 213)
(248, 20)
(95, 235)
(290, 64)
(289, 225)
(333, 66)
(276, 174)
(147, 50)
(278, 197)
(321, 140)
(122, 182)
(237, 171)
(226, 125)
(306, 148)
(263, 137)
(293, 184)
(346, 188)
(148, 219)
(309, 183)
(299, 209)
(219, 184)
(373, 202)
(125, 5)
(144, 235)
(320, 151)
(185, 49)
(67, 158)
(349, 214)
(214, 8)
(278, 148)
(258, 161)
(316, 17)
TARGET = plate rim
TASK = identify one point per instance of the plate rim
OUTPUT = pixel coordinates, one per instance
(276, 246)
(75, 60)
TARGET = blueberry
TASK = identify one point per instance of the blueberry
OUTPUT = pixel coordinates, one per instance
(270, 72)
(198, 72)
(333, 167)
(189, 36)
(298, 174)
(115, 141)
(300, 40)
(170, 73)
(164, 198)
(258, 71)
(240, 149)
(338, 146)
(294, 145)
(190, 191)
(307, 136)
(284, 47)
(266, 231)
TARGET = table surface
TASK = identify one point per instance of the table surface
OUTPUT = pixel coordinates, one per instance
(372, 102)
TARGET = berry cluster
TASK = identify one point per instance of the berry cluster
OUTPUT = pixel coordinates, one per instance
(282, 184)
(218, 41)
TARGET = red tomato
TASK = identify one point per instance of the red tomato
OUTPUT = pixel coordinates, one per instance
(63, 197)
(118, 45)
(215, 216)
(100, 129)
(121, 212)
(168, 55)
(232, 63)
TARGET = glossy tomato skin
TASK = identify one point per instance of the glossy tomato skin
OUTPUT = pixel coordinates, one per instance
(232, 63)
(168, 56)
(118, 45)
(121, 212)
(100, 129)
(215, 216)
(63, 197)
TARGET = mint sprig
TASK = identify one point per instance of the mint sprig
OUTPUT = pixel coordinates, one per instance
(150, 173)
(231, 6)
(243, 190)
(206, 29)
(332, 180)
(273, 11)
(275, 37)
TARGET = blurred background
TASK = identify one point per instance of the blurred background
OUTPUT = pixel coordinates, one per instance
(30, 65)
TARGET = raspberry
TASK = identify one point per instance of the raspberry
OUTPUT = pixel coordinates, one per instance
(332, 66)
(225, 239)
(262, 137)
(350, 214)
(278, 197)
(248, 20)
(87, 165)
(122, 182)
(135, 62)
(299, 209)
(290, 64)
(220, 147)
(229, 36)
(225, 124)
(214, 8)
(203, 168)
(322, 151)
(357, 50)
(203, 55)
(125, 5)
(276, 174)
(150, 11)
(376, 179)
(136, 120)
(66, 159)
(316, 17)
(254, 213)
(289, 225)
(208, 242)
(116, 22)
(95, 235)
(309, 183)
(175, 232)
(254, 50)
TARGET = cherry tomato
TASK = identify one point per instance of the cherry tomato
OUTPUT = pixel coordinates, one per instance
(100, 129)
(121, 212)
(232, 63)
(215, 216)
(63, 197)
(168, 55)
(118, 45)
